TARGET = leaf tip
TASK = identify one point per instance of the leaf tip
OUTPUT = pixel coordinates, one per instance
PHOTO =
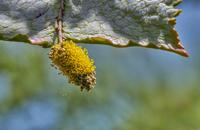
(182, 52)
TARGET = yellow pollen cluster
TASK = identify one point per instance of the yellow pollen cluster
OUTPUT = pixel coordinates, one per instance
(74, 62)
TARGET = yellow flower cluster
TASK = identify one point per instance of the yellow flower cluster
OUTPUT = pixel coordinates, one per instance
(74, 62)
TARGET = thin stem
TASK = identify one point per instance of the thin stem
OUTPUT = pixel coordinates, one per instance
(59, 23)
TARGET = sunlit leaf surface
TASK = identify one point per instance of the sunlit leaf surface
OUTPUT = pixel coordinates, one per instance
(120, 23)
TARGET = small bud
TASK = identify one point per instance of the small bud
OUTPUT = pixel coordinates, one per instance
(74, 62)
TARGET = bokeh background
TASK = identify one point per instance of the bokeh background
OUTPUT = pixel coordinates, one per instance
(137, 89)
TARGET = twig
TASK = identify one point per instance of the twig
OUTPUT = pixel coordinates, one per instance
(59, 22)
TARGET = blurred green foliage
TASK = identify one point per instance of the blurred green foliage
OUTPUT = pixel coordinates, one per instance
(136, 90)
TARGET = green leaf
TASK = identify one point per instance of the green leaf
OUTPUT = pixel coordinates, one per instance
(119, 23)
